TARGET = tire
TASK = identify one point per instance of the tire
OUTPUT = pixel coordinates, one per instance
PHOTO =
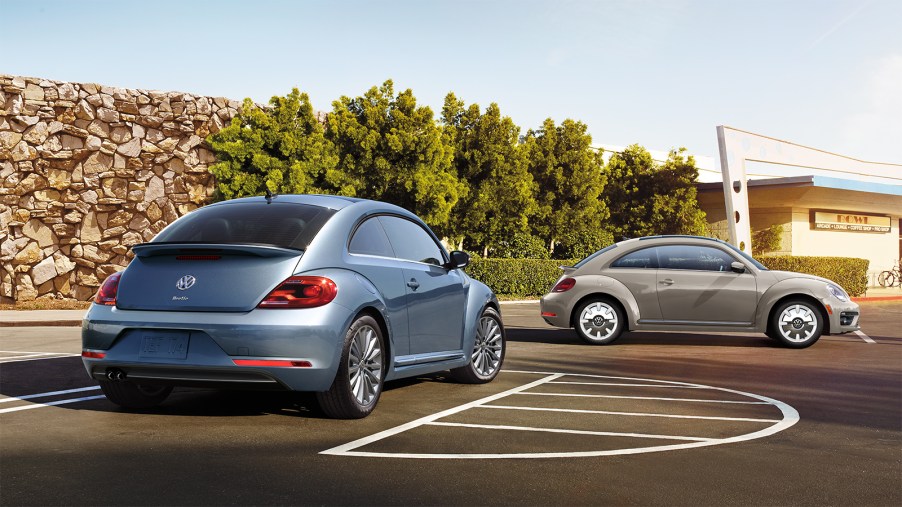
(488, 351)
(886, 279)
(361, 373)
(134, 396)
(598, 321)
(797, 323)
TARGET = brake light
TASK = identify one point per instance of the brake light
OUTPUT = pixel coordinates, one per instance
(198, 257)
(301, 292)
(93, 354)
(564, 285)
(107, 293)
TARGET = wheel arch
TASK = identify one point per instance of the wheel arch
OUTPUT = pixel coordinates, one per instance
(601, 295)
(825, 318)
(383, 326)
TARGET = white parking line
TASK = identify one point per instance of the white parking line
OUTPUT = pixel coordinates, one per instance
(48, 394)
(50, 404)
(346, 448)
(864, 337)
(646, 398)
(630, 385)
(637, 414)
(575, 432)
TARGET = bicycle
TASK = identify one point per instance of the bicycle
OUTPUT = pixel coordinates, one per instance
(891, 277)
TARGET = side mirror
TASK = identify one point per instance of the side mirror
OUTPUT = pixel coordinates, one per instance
(458, 260)
(737, 267)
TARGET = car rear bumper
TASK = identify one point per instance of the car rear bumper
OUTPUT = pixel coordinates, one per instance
(555, 309)
(310, 337)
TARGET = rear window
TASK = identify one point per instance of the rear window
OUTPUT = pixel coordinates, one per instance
(594, 255)
(287, 225)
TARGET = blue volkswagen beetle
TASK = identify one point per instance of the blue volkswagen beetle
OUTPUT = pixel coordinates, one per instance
(319, 293)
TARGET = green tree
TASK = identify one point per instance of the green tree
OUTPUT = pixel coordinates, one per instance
(281, 148)
(646, 198)
(489, 160)
(392, 150)
(569, 179)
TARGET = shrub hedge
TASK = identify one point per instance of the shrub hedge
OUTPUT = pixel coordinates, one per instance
(514, 278)
(517, 277)
(851, 273)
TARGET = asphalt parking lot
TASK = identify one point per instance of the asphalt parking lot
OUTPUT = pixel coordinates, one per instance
(656, 418)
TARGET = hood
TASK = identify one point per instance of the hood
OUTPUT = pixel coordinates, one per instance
(786, 275)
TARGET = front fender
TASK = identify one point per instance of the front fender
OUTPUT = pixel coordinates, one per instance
(479, 295)
(807, 287)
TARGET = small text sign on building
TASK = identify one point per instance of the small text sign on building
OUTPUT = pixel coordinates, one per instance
(831, 220)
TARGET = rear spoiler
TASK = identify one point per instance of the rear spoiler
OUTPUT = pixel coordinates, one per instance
(157, 249)
(567, 269)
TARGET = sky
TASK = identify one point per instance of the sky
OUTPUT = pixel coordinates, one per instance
(661, 73)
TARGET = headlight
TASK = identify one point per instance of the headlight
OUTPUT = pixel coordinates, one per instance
(837, 292)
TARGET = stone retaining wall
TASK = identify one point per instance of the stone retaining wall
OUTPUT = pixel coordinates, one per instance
(88, 170)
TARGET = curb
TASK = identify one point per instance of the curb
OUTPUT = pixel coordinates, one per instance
(42, 323)
(877, 298)
(77, 323)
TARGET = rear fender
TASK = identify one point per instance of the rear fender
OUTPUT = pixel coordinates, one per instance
(359, 295)
(592, 286)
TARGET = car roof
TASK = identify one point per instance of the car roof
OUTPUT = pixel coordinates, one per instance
(335, 202)
(672, 238)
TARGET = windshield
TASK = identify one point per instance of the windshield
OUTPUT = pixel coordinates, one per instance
(287, 225)
(747, 257)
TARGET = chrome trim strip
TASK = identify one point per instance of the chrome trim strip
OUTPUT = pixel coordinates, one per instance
(428, 358)
(694, 322)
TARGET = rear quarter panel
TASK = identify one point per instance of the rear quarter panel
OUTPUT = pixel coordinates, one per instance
(588, 286)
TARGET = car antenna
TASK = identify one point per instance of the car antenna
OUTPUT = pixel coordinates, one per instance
(269, 196)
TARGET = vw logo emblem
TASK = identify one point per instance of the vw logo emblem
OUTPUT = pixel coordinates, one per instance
(185, 282)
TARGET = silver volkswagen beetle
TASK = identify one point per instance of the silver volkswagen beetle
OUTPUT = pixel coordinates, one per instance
(295, 292)
(691, 283)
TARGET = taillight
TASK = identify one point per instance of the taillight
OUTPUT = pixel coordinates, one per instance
(107, 293)
(93, 354)
(564, 285)
(301, 292)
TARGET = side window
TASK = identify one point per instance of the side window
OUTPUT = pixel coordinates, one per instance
(693, 257)
(411, 242)
(645, 258)
(370, 239)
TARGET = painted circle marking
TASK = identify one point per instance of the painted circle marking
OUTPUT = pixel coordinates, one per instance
(789, 417)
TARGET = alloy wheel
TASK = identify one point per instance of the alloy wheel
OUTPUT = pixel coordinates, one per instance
(487, 351)
(365, 365)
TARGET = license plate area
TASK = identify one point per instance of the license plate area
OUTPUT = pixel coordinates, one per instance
(164, 344)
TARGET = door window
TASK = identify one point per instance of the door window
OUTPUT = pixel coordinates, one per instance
(694, 257)
(645, 258)
(370, 239)
(411, 242)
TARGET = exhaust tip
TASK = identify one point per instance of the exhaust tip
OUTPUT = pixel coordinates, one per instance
(115, 374)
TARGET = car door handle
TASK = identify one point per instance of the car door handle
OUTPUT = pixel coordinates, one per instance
(666, 281)
(413, 284)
